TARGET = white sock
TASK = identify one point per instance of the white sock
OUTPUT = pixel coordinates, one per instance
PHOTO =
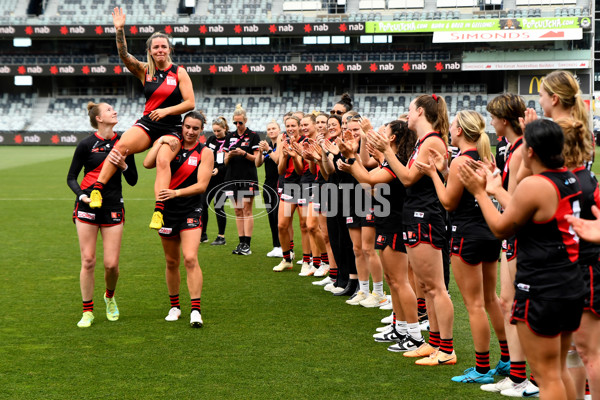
(401, 327)
(415, 331)
(364, 286)
(378, 287)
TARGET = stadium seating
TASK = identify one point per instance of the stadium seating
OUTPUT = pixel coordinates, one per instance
(68, 114)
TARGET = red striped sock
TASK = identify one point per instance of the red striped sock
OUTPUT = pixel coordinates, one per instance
(159, 206)
(421, 306)
(88, 306)
(174, 300)
(504, 354)
(316, 262)
(291, 245)
(434, 339)
(98, 186)
(286, 256)
(110, 293)
(394, 319)
(587, 387)
(333, 274)
(306, 258)
(196, 304)
(532, 379)
(482, 362)
(518, 371)
(447, 345)
(325, 258)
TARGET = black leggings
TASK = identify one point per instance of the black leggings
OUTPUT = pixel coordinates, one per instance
(219, 196)
(272, 205)
(341, 246)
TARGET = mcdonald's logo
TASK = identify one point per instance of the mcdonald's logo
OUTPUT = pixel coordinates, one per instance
(538, 81)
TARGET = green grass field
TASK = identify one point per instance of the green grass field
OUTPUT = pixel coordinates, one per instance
(266, 335)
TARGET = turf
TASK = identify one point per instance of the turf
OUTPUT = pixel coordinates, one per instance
(266, 335)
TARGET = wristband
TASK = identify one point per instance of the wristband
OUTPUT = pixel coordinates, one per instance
(82, 196)
(350, 161)
(270, 151)
(327, 153)
(125, 169)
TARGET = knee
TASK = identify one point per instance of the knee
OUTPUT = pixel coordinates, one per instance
(370, 252)
(190, 260)
(313, 229)
(358, 251)
(172, 263)
(111, 267)
(88, 262)
(505, 305)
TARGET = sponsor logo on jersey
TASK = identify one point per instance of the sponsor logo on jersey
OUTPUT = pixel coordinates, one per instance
(171, 81)
(380, 239)
(453, 228)
(193, 161)
(114, 215)
(165, 231)
(86, 215)
(349, 220)
(369, 217)
(419, 214)
(523, 286)
(191, 221)
(303, 201)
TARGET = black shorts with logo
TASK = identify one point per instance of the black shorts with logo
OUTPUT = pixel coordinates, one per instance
(175, 223)
(591, 280)
(475, 251)
(156, 129)
(105, 216)
(392, 239)
(242, 190)
(435, 235)
(546, 317)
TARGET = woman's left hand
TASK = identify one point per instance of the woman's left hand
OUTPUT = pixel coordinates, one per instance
(117, 159)
(166, 194)
(158, 114)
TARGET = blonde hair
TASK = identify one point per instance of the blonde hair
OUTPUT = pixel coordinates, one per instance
(239, 110)
(222, 122)
(273, 121)
(578, 142)
(93, 112)
(473, 126)
(565, 86)
(151, 64)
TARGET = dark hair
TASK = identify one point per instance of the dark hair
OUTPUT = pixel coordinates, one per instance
(405, 139)
(510, 107)
(199, 115)
(547, 140)
(346, 101)
(335, 116)
(436, 113)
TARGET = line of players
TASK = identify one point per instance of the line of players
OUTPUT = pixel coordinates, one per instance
(547, 292)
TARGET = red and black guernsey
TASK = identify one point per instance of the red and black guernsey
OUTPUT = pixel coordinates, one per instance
(290, 175)
(184, 173)
(90, 155)
(547, 265)
(467, 220)
(505, 173)
(422, 204)
(590, 195)
(162, 91)
(395, 196)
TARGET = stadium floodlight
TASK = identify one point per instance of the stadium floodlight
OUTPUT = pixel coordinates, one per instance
(23, 80)
(22, 42)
